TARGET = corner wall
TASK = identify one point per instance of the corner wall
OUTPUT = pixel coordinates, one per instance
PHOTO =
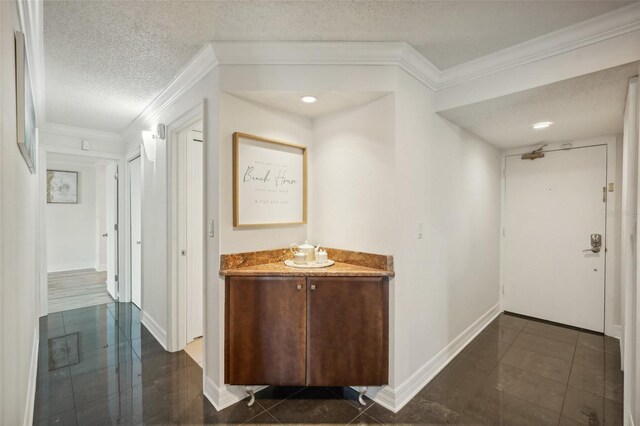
(238, 115)
(18, 247)
(351, 179)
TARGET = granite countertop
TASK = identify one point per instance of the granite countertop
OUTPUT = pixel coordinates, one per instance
(271, 263)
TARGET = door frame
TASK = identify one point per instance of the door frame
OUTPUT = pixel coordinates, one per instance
(125, 282)
(177, 326)
(612, 325)
(44, 150)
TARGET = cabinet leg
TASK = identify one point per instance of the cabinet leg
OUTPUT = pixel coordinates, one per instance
(363, 390)
(249, 390)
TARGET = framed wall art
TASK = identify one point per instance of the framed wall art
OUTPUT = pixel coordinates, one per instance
(62, 187)
(25, 108)
(269, 182)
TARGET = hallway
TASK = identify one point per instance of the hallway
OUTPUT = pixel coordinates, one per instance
(102, 366)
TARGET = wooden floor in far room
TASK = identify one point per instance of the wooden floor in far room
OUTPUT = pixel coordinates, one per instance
(77, 289)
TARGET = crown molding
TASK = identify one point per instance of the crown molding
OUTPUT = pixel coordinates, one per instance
(30, 14)
(600, 28)
(203, 63)
(80, 133)
(328, 53)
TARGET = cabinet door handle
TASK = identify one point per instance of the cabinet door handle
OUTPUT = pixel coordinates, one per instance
(299, 287)
(313, 287)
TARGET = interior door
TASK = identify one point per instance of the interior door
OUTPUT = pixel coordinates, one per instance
(112, 229)
(552, 207)
(136, 231)
(195, 233)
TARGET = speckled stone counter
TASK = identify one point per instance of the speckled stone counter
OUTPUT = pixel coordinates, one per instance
(271, 263)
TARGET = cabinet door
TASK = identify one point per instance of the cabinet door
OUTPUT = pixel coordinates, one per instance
(265, 329)
(347, 335)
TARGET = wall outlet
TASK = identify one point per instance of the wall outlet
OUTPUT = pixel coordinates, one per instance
(86, 145)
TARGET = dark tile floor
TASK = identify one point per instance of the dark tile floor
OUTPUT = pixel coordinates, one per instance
(100, 366)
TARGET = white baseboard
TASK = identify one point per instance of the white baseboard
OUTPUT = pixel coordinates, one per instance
(629, 421)
(616, 331)
(225, 396)
(33, 377)
(395, 399)
(154, 328)
(70, 267)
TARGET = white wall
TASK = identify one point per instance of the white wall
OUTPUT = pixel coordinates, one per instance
(449, 180)
(351, 180)
(72, 233)
(18, 247)
(237, 115)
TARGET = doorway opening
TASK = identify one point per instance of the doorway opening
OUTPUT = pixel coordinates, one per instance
(190, 179)
(81, 213)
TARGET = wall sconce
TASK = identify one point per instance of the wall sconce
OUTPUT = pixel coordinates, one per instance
(149, 140)
(149, 143)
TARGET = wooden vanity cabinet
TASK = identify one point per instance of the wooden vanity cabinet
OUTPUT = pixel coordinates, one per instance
(265, 330)
(315, 331)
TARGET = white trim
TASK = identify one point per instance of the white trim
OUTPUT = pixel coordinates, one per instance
(582, 34)
(630, 421)
(616, 331)
(71, 267)
(155, 329)
(201, 65)
(399, 54)
(80, 133)
(394, 399)
(81, 153)
(101, 268)
(33, 376)
(225, 396)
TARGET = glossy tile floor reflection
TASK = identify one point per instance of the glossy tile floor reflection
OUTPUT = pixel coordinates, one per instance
(99, 365)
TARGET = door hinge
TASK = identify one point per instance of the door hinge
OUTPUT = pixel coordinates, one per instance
(115, 227)
(604, 194)
(116, 177)
(117, 279)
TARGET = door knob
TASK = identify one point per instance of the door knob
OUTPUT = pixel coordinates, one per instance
(596, 243)
(138, 242)
(106, 234)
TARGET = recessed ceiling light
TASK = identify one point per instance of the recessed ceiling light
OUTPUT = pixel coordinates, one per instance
(542, 125)
(308, 99)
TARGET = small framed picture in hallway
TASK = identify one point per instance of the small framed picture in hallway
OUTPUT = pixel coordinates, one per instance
(62, 187)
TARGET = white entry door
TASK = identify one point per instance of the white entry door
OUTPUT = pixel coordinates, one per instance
(112, 229)
(552, 206)
(136, 231)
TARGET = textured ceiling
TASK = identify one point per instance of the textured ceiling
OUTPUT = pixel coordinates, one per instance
(328, 102)
(581, 107)
(106, 60)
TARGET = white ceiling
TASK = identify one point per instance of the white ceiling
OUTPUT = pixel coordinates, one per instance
(581, 107)
(106, 60)
(328, 102)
